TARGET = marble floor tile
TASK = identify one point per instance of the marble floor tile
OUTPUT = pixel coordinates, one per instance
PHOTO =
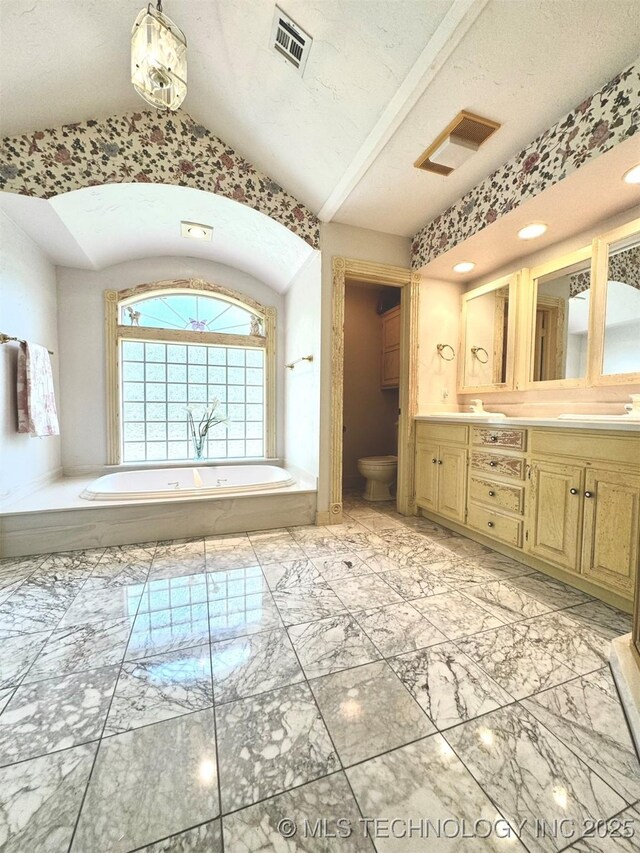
(466, 548)
(458, 574)
(103, 605)
(620, 836)
(580, 647)
(586, 715)
(448, 685)
(245, 666)
(229, 552)
(38, 605)
(424, 781)
(234, 583)
(330, 645)
(516, 661)
(323, 544)
(168, 630)
(398, 628)
(167, 593)
(275, 547)
(364, 592)
(455, 615)
(269, 743)
(376, 523)
(426, 527)
(342, 566)
(240, 615)
(507, 602)
(150, 783)
(55, 714)
(120, 568)
(385, 559)
(17, 653)
(323, 802)
(291, 574)
(206, 838)
(531, 774)
(78, 649)
(601, 618)
(14, 574)
(368, 711)
(360, 510)
(357, 540)
(550, 591)
(159, 687)
(5, 695)
(307, 603)
(41, 799)
(179, 563)
(498, 565)
(415, 582)
(71, 565)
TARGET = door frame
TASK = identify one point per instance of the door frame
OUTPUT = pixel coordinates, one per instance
(350, 270)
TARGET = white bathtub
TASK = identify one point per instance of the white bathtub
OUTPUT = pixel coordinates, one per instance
(172, 483)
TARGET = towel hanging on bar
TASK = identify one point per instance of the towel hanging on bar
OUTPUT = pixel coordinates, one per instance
(36, 400)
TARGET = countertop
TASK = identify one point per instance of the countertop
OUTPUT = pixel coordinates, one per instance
(618, 426)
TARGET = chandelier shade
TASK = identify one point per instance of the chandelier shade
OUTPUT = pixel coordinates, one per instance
(158, 59)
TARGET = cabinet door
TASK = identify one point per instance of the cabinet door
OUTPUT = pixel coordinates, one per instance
(427, 476)
(390, 368)
(555, 513)
(611, 529)
(452, 481)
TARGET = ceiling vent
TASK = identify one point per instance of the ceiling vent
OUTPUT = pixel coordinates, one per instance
(290, 41)
(457, 142)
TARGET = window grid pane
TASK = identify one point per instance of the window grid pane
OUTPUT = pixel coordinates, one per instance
(160, 380)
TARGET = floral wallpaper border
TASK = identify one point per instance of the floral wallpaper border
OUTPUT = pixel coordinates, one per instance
(603, 120)
(624, 267)
(151, 147)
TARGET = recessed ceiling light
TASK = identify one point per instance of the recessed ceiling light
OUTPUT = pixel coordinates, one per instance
(196, 231)
(530, 232)
(632, 176)
(464, 266)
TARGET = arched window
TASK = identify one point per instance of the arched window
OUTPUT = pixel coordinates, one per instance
(174, 348)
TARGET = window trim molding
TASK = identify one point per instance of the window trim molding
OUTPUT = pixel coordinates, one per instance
(115, 332)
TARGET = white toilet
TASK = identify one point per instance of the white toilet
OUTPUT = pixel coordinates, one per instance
(380, 472)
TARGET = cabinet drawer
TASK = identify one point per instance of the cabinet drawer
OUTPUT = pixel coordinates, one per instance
(445, 433)
(515, 439)
(498, 464)
(496, 494)
(495, 524)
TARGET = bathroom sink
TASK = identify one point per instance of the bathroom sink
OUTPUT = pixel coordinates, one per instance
(478, 416)
(627, 417)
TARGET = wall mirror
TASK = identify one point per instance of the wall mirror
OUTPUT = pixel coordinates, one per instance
(487, 337)
(618, 263)
(562, 293)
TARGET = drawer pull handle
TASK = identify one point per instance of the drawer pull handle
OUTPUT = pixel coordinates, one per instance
(439, 461)
(588, 494)
(493, 464)
(492, 494)
(489, 523)
(434, 461)
(573, 491)
(493, 438)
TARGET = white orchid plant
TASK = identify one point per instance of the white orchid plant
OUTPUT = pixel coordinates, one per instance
(209, 417)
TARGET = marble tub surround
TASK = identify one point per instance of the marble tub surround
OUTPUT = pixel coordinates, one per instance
(165, 697)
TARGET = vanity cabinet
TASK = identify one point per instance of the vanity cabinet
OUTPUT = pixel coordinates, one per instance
(390, 362)
(441, 470)
(563, 499)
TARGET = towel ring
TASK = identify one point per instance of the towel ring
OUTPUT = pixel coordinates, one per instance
(441, 347)
(476, 350)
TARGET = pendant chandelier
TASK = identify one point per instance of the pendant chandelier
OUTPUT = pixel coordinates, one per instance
(158, 59)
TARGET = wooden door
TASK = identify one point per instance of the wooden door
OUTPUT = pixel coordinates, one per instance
(611, 529)
(452, 481)
(390, 377)
(555, 513)
(427, 476)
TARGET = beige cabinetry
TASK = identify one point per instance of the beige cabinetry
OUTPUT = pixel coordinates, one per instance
(441, 470)
(564, 499)
(390, 361)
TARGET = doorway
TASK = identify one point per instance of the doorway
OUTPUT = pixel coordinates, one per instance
(346, 270)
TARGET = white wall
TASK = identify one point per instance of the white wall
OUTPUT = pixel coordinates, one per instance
(302, 384)
(361, 244)
(27, 310)
(82, 345)
(438, 323)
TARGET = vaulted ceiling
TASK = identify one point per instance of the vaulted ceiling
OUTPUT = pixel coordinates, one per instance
(382, 80)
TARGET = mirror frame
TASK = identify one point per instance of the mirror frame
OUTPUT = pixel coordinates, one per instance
(511, 281)
(600, 274)
(528, 317)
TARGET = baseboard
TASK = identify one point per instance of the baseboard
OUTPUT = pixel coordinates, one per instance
(323, 518)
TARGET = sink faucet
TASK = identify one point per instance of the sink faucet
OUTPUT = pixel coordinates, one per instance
(477, 407)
